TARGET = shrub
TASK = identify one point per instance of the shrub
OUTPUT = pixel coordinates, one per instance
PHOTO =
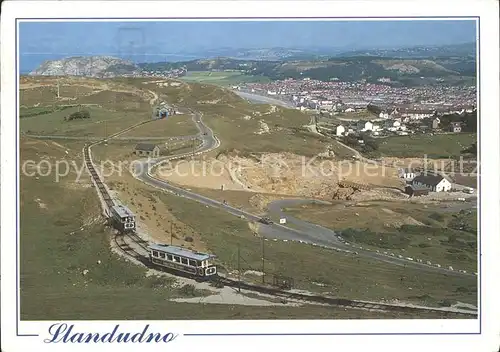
(188, 290)
(84, 114)
(437, 216)
(188, 239)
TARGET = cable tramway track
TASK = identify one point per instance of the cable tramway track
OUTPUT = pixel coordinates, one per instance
(127, 249)
(315, 299)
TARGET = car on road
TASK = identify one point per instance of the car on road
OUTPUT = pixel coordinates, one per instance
(266, 221)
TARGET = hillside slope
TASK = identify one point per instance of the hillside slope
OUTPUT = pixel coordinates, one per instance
(92, 66)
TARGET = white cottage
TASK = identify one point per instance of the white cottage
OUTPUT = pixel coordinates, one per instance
(436, 183)
(339, 130)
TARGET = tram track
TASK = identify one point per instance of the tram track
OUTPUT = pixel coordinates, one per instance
(295, 296)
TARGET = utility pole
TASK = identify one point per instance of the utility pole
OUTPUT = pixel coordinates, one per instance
(171, 232)
(239, 270)
(263, 275)
(58, 90)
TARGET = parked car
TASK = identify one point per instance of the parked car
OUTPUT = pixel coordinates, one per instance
(266, 221)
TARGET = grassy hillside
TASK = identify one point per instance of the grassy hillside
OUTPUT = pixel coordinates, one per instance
(63, 235)
(436, 146)
(241, 125)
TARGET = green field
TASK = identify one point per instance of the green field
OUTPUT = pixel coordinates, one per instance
(223, 78)
(443, 237)
(101, 123)
(437, 146)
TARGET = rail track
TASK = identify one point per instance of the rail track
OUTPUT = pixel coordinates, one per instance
(269, 290)
(287, 295)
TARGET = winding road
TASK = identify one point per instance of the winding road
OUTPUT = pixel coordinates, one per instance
(302, 231)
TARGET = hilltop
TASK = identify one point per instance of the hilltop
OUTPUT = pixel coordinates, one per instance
(92, 66)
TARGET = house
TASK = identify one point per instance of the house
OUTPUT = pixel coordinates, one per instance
(436, 183)
(339, 130)
(365, 126)
(455, 127)
(146, 149)
(414, 190)
(383, 115)
(406, 174)
(435, 123)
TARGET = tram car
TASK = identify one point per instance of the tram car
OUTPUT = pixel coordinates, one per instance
(183, 260)
(122, 218)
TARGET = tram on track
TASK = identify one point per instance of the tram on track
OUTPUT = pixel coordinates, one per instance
(122, 218)
(183, 260)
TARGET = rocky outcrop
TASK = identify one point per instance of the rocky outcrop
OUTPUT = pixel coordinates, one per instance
(91, 66)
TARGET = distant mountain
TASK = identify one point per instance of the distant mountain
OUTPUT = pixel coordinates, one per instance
(392, 70)
(92, 66)
(341, 68)
(266, 54)
(455, 50)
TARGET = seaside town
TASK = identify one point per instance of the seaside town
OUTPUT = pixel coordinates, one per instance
(380, 109)
(338, 97)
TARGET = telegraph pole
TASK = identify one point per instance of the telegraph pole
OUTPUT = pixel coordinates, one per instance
(263, 275)
(239, 270)
(171, 232)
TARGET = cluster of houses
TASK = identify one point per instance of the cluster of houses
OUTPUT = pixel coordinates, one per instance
(419, 184)
(337, 97)
(173, 73)
(385, 127)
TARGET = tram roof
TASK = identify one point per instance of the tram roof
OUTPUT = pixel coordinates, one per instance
(180, 251)
(122, 211)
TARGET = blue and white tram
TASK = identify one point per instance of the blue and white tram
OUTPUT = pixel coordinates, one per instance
(182, 259)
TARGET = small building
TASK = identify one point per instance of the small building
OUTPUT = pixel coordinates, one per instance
(339, 130)
(364, 126)
(416, 191)
(147, 149)
(435, 123)
(436, 183)
(455, 127)
(406, 174)
(383, 115)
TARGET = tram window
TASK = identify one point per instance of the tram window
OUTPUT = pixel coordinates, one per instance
(169, 257)
(155, 253)
(184, 261)
(162, 255)
(192, 263)
(177, 259)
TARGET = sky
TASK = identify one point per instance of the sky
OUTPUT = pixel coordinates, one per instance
(38, 40)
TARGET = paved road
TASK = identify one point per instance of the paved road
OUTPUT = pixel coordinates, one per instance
(303, 231)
